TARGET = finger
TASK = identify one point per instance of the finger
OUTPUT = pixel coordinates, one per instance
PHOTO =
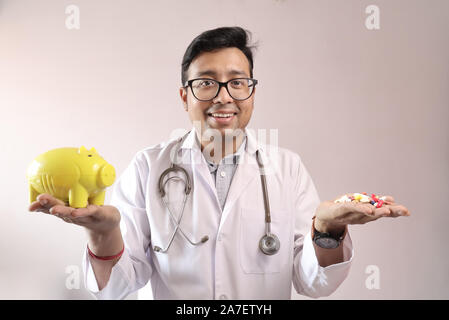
(90, 210)
(398, 210)
(35, 206)
(61, 211)
(388, 199)
(47, 201)
(356, 207)
(382, 212)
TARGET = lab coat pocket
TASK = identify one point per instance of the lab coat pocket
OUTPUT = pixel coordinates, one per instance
(252, 229)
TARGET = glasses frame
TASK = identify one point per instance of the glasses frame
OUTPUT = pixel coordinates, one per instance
(220, 85)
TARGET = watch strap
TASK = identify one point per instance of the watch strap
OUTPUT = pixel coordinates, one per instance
(316, 234)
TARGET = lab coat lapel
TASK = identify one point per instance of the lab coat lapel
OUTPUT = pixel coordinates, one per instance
(191, 153)
(247, 170)
(202, 175)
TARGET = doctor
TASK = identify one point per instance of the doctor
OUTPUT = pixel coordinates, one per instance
(206, 244)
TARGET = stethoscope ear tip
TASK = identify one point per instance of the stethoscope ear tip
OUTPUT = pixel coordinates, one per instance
(204, 239)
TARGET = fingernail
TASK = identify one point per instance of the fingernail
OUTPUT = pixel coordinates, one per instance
(43, 202)
(400, 213)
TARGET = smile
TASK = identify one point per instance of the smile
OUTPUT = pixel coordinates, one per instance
(221, 115)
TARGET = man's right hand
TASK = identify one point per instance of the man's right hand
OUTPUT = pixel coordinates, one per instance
(102, 224)
(96, 219)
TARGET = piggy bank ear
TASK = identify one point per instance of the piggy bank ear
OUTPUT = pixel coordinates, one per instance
(82, 150)
(93, 150)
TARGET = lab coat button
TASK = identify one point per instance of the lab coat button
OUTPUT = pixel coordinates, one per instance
(223, 297)
(223, 174)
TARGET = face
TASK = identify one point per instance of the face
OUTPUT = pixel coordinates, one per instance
(221, 65)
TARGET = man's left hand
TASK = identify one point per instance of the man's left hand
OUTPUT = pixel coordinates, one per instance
(334, 217)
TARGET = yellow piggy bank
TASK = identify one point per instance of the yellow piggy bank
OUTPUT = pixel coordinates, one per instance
(75, 176)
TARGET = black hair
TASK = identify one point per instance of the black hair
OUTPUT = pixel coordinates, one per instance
(224, 37)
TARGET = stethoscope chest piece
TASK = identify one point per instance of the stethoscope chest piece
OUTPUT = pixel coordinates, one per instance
(269, 244)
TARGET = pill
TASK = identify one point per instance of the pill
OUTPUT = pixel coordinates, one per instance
(365, 199)
(380, 203)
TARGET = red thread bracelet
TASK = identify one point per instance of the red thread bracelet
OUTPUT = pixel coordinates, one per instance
(106, 257)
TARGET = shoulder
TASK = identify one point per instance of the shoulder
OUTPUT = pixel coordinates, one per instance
(154, 152)
(146, 159)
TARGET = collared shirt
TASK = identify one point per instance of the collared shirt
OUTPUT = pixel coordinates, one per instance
(225, 169)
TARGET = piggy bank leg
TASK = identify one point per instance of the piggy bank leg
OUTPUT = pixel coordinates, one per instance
(98, 199)
(33, 194)
(78, 196)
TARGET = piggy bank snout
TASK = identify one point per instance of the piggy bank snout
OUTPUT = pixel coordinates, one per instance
(106, 176)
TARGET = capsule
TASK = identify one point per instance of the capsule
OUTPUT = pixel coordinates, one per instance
(380, 203)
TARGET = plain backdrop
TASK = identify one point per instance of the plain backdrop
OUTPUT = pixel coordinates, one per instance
(367, 110)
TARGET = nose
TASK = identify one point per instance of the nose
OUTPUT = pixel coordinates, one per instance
(223, 97)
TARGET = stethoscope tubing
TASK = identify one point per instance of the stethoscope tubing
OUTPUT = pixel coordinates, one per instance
(269, 243)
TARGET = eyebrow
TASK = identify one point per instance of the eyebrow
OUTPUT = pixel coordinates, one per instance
(212, 73)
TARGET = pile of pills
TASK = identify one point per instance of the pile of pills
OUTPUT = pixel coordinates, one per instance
(363, 197)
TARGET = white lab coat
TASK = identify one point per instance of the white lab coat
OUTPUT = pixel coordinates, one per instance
(230, 265)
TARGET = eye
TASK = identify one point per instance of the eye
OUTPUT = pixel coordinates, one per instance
(206, 83)
(89, 155)
(237, 83)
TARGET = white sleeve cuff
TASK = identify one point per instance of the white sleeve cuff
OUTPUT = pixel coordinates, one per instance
(321, 281)
(118, 284)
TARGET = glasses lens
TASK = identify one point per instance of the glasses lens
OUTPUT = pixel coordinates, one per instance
(207, 89)
(204, 89)
(241, 89)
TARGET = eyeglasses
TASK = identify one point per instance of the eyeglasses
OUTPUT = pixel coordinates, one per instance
(205, 89)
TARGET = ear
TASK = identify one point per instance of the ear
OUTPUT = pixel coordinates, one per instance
(93, 150)
(82, 150)
(183, 95)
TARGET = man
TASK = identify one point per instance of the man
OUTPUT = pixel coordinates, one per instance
(210, 243)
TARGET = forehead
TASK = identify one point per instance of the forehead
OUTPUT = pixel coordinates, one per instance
(220, 63)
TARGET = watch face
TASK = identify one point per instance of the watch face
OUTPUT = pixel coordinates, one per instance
(327, 243)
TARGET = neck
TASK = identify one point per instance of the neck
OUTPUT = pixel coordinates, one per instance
(217, 149)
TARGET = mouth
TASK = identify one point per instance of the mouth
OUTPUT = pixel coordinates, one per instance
(222, 117)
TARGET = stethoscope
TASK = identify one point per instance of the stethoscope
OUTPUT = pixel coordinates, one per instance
(269, 244)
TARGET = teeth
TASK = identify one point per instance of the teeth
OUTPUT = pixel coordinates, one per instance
(222, 115)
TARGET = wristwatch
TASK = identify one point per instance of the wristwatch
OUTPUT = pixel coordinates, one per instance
(326, 240)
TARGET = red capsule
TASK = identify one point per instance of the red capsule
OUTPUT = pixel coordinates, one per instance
(380, 203)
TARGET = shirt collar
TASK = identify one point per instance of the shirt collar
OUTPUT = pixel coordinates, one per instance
(249, 144)
(235, 157)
